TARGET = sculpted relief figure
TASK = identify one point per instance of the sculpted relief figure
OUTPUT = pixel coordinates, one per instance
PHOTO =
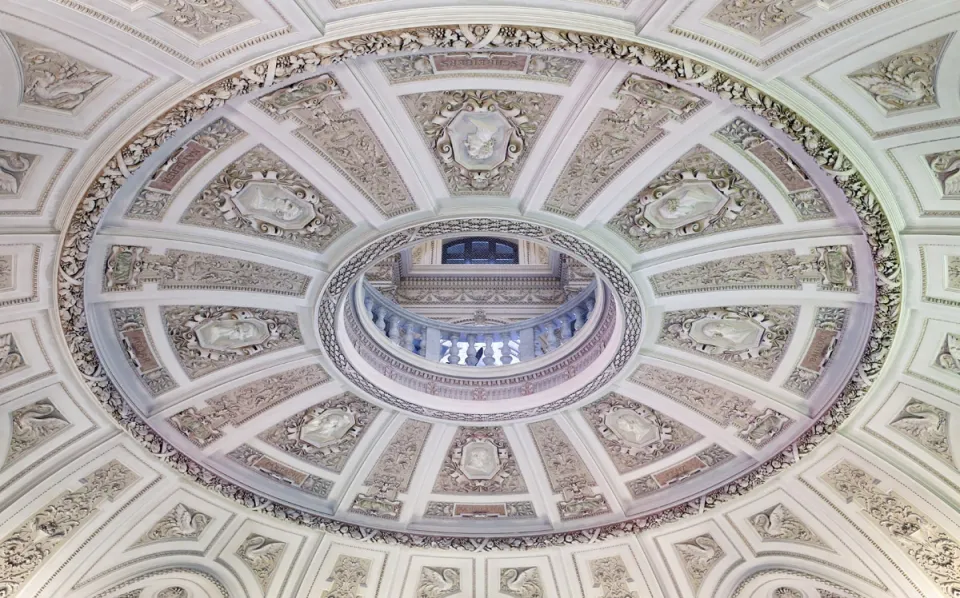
(904, 81)
(54, 80)
(261, 195)
(480, 138)
(749, 338)
(699, 194)
(949, 357)
(946, 169)
(14, 167)
(232, 335)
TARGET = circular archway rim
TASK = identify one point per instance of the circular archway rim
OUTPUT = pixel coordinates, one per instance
(336, 290)
(89, 208)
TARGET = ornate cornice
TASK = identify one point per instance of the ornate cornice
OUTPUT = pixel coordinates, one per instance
(90, 208)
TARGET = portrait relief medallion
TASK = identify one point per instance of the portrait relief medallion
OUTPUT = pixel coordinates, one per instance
(230, 335)
(271, 203)
(480, 460)
(327, 428)
(479, 139)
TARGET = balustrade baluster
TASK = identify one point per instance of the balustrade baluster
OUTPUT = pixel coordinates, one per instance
(471, 349)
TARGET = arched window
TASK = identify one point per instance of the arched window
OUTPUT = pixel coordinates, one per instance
(480, 250)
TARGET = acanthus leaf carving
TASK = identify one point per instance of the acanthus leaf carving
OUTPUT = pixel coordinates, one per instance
(945, 167)
(831, 267)
(567, 472)
(129, 266)
(392, 472)
(203, 425)
(204, 19)
(618, 137)
(948, 359)
(756, 425)
(349, 574)
(343, 137)
(928, 545)
(758, 19)
(611, 575)
(153, 200)
(33, 542)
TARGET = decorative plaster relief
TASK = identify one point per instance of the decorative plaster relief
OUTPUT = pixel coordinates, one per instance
(700, 194)
(31, 426)
(756, 425)
(253, 459)
(134, 335)
(204, 19)
(38, 538)
(326, 434)
(438, 582)
(129, 266)
(173, 592)
(611, 576)
(945, 167)
(905, 81)
(344, 138)
(832, 268)
(748, 338)
(479, 461)
(543, 67)
(712, 456)
(207, 338)
(522, 582)
(261, 196)
(779, 524)
(698, 556)
(948, 359)
(759, 20)
(567, 472)
(928, 426)
(181, 523)
(927, 544)
(784, 592)
(616, 138)
(203, 425)
(11, 359)
(827, 330)
(53, 80)
(262, 556)
(480, 139)
(7, 272)
(500, 510)
(14, 169)
(805, 198)
(348, 576)
(392, 472)
(634, 435)
(154, 199)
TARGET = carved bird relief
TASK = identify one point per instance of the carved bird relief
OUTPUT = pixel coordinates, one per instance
(521, 583)
(436, 582)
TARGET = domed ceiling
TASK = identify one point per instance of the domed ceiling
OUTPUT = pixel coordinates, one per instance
(698, 378)
(217, 292)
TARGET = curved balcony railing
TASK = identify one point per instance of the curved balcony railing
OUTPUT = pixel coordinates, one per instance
(480, 346)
